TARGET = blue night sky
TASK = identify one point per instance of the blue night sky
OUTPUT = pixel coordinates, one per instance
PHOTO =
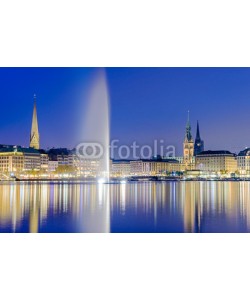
(146, 104)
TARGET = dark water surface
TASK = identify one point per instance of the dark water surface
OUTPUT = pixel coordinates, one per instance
(128, 207)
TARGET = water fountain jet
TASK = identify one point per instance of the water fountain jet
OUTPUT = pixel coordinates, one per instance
(97, 125)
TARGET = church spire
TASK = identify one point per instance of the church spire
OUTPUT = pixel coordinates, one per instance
(199, 143)
(198, 132)
(34, 134)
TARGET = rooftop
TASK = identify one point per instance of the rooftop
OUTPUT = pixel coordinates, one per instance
(59, 151)
(158, 160)
(244, 152)
(215, 152)
(10, 148)
(120, 161)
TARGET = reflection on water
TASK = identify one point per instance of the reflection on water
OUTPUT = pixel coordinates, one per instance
(130, 207)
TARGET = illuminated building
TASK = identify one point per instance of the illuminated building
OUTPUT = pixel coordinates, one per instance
(17, 159)
(152, 167)
(63, 156)
(199, 143)
(34, 134)
(216, 161)
(44, 160)
(243, 162)
(52, 166)
(32, 159)
(11, 161)
(188, 147)
(181, 167)
(66, 157)
(120, 168)
(87, 167)
(84, 167)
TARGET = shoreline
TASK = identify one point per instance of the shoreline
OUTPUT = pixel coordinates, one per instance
(121, 181)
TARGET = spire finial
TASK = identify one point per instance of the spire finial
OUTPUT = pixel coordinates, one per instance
(188, 119)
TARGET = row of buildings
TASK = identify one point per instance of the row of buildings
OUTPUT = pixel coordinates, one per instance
(205, 163)
(17, 160)
(195, 161)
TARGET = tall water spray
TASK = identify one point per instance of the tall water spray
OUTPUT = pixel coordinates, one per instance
(97, 124)
(96, 216)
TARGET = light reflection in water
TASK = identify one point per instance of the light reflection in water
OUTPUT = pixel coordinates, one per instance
(126, 207)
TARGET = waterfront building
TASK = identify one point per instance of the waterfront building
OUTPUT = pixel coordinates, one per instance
(120, 168)
(87, 167)
(44, 160)
(188, 147)
(63, 156)
(243, 162)
(11, 161)
(66, 157)
(32, 159)
(153, 167)
(52, 166)
(178, 158)
(16, 159)
(216, 161)
(181, 167)
(199, 143)
(84, 167)
(34, 134)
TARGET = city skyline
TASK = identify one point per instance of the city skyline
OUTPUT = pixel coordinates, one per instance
(62, 91)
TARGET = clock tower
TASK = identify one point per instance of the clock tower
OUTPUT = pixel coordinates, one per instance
(188, 147)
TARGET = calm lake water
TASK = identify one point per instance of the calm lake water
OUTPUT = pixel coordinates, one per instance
(129, 207)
